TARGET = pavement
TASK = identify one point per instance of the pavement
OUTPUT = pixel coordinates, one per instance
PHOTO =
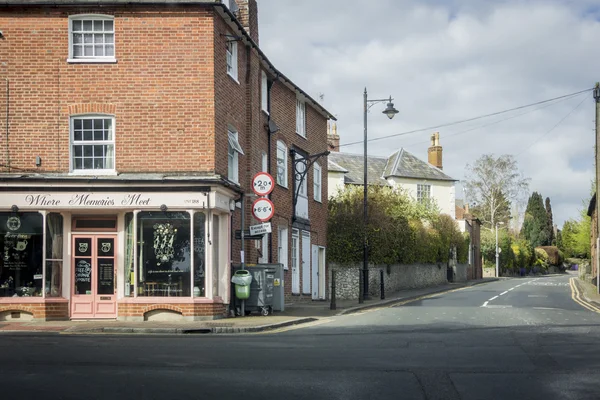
(294, 314)
(528, 338)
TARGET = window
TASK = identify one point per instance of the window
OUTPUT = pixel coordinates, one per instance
(300, 118)
(317, 182)
(92, 144)
(264, 162)
(265, 94)
(423, 193)
(164, 253)
(282, 246)
(92, 38)
(199, 255)
(21, 264)
(232, 59)
(129, 249)
(233, 151)
(282, 172)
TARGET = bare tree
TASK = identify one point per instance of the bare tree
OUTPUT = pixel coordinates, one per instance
(493, 184)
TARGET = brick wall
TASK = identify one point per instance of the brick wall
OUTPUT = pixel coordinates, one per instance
(161, 89)
(40, 311)
(185, 309)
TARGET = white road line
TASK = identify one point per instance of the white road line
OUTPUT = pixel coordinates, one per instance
(484, 304)
(512, 288)
(503, 293)
(493, 298)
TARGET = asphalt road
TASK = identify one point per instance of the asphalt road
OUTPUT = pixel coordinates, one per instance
(514, 339)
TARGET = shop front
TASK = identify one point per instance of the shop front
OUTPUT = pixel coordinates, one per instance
(127, 253)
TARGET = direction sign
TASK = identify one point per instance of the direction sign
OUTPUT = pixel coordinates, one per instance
(263, 209)
(260, 229)
(263, 184)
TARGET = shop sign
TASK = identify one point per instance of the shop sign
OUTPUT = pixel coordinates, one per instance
(141, 200)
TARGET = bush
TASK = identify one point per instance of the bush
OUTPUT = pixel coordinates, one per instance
(551, 254)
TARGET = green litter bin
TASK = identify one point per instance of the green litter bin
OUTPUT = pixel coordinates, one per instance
(242, 280)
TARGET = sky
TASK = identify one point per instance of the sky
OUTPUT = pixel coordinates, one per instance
(445, 61)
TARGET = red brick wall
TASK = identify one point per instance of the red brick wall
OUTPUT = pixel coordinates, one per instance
(42, 311)
(161, 89)
(185, 309)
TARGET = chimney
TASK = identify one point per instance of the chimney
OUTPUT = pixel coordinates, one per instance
(435, 151)
(466, 208)
(333, 139)
(248, 17)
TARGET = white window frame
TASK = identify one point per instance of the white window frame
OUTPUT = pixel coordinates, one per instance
(301, 117)
(283, 152)
(232, 59)
(264, 162)
(317, 186)
(421, 190)
(282, 244)
(91, 59)
(264, 99)
(233, 155)
(72, 143)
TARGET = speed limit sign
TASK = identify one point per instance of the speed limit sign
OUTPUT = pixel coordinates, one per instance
(263, 209)
(263, 184)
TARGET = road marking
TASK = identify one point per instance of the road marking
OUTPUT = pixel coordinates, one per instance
(498, 306)
(545, 308)
(503, 293)
(294, 327)
(575, 295)
(536, 295)
(484, 304)
(512, 288)
(493, 298)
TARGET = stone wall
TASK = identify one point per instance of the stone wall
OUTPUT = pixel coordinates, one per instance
(396, 277)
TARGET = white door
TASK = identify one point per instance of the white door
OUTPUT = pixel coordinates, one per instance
(322, 273)
(306, 262)
(295, 260)
(315, 272)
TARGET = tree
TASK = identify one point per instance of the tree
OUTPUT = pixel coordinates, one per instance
(493, 184)
(552, 239)
(535, 226)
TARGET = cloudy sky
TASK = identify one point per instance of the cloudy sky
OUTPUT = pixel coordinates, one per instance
(448, 60)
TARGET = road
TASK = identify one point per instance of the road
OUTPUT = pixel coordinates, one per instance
(513, 339)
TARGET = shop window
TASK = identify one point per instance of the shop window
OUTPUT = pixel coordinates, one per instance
(129, 271)
(164, 254)
(54, 254)
(199, 255)
(21, 242)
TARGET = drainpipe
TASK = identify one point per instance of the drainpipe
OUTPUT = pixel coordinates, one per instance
(7, 130)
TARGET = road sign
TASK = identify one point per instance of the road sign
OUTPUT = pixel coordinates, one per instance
(263, 209)
(247, 236)
(260, 229)
(263, 184)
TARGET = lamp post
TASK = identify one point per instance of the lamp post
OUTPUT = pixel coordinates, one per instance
(390, 111)
(497, 250)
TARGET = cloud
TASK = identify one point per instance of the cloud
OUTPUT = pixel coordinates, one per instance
(444, 61)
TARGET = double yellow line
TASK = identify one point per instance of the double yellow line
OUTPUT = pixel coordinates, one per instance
(576, 296)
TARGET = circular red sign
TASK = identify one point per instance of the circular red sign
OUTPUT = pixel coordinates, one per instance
(263, 183)
(263, 209)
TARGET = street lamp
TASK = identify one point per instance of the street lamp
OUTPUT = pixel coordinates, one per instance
(390, 111)
(497, 249)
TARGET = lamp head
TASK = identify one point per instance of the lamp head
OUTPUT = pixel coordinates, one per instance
(390, 111)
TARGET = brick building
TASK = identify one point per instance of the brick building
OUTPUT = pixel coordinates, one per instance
(130, 135)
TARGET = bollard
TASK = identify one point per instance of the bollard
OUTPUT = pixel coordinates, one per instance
(332, 305)
(382, 287)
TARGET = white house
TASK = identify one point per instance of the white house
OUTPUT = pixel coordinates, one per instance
(422, 180)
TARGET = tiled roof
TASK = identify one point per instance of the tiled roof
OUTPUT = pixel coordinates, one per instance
(354, 164)
(400, 164)
(403, 164)
(333, 167)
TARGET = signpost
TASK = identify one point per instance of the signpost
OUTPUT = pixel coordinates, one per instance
(263, 184)
(263, 209)
(260, 229)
